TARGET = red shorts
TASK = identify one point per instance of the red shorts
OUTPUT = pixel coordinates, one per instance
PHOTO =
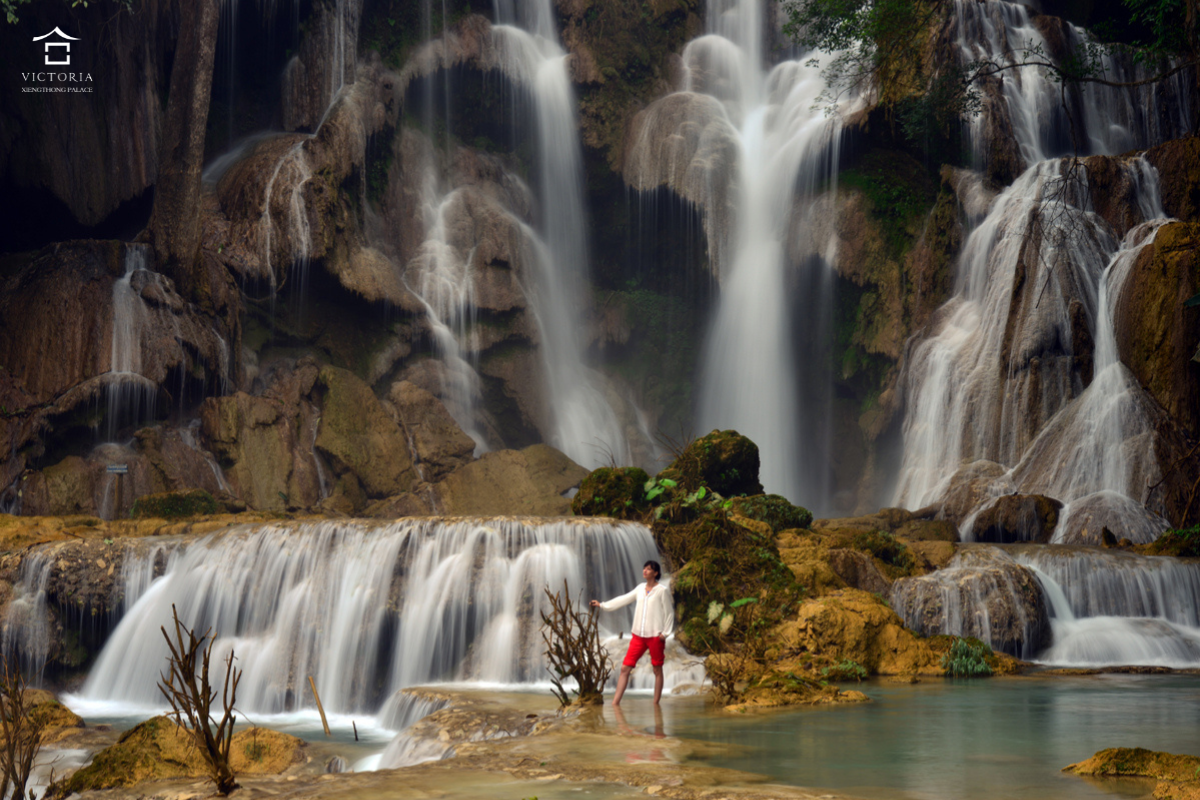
(638, 646)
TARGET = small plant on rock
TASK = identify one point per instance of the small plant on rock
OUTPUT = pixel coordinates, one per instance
(186, 687)
(845, 670)
(574, 650)
(967, 659)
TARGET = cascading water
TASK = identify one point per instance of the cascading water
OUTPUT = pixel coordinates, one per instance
(585, 426)
(367, 610)
(990, 384)
(1118, 608)
(751, 147)
(131, 395)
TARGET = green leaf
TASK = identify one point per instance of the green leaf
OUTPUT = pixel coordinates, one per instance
(744, 601)
(701, 493)
(653, 493)
(667, 482)
(649, 484)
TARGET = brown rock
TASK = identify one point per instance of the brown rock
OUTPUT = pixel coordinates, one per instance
(1017, 518)
(356, 435)
(973, 485)
(858, 570)
(439, 444)
(852, 624)
(1178, 165)
(981, 593)
(1156, 334)
(1090, 516)
(526, 482)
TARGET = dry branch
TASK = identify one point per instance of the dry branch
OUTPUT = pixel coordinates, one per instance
(22, 731)
(192, 701)
(574, 650)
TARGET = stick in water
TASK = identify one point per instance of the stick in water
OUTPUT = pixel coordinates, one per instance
(320, 708)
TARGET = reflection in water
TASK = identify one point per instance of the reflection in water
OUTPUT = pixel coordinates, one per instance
(962, 740)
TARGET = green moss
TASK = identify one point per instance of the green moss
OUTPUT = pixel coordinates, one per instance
(724, 461)
(899, 193)
(612, 492)
(1181, 543)
(774, 510)
(897, 559)
(175, 505)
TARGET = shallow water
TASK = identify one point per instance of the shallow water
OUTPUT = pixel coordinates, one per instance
(944, 740)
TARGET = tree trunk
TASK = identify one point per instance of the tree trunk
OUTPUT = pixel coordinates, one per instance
(175, 219)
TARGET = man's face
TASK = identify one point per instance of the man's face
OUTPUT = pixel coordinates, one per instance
(648, 573)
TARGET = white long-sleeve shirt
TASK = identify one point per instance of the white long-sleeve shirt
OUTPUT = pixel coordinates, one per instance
(655, 612)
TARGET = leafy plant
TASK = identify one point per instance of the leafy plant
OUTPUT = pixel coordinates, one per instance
(845, 670)
(967, 659)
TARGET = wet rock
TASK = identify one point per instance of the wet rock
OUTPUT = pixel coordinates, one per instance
(1178, 165)
(439, 445)
(1177, 775)
(356, 435)
(526, 482)
(1086, 519)
(972, 486)
(982, 593)
(326, 60)
(1156, 335)
(1017, 518)
(265, 443)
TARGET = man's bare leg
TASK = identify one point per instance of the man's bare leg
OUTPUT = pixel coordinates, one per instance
(622, 681)
(658, 684)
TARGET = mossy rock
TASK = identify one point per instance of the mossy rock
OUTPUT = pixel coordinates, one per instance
(897, 560)
(1137, 761)
(724, 461)
(1181, 543)
(774, 510)
(158, 749)
(612, 492)
(175, 505)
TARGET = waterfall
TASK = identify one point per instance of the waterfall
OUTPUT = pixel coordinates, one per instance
(25, 636)
(584, 424)
(366, 609)
(1114, 608)
(751, 147)
(131, 395)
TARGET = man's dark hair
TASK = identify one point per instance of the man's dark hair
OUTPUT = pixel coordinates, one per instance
(654, 566)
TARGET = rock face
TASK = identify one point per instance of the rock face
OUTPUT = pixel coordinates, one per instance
(527, 482)
(1017, 518)
(58, 312)
(1088, 518)
(981, 593)
(1156, 335)
(439, 446)
(115, 130)
(852, 624)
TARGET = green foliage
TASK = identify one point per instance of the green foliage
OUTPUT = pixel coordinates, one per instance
(967, 658)
(773, 509)
(612, 492)
(1180, 542)
(175, 505)
(10, 7)
(845, 670)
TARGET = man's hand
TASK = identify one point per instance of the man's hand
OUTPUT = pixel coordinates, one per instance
(594, 603)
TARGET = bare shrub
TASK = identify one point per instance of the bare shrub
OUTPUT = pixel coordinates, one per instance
(22, 731)
(191, 696)
(574, 650)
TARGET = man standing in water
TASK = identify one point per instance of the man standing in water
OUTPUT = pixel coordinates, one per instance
(653, 622)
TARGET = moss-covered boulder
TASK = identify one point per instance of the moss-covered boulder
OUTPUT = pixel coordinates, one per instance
(1181, 543)
(1178, 776)
(773, 509)
(57, 720)
(617, 492)
(724, 461)
(175, 505)
(158, 749)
